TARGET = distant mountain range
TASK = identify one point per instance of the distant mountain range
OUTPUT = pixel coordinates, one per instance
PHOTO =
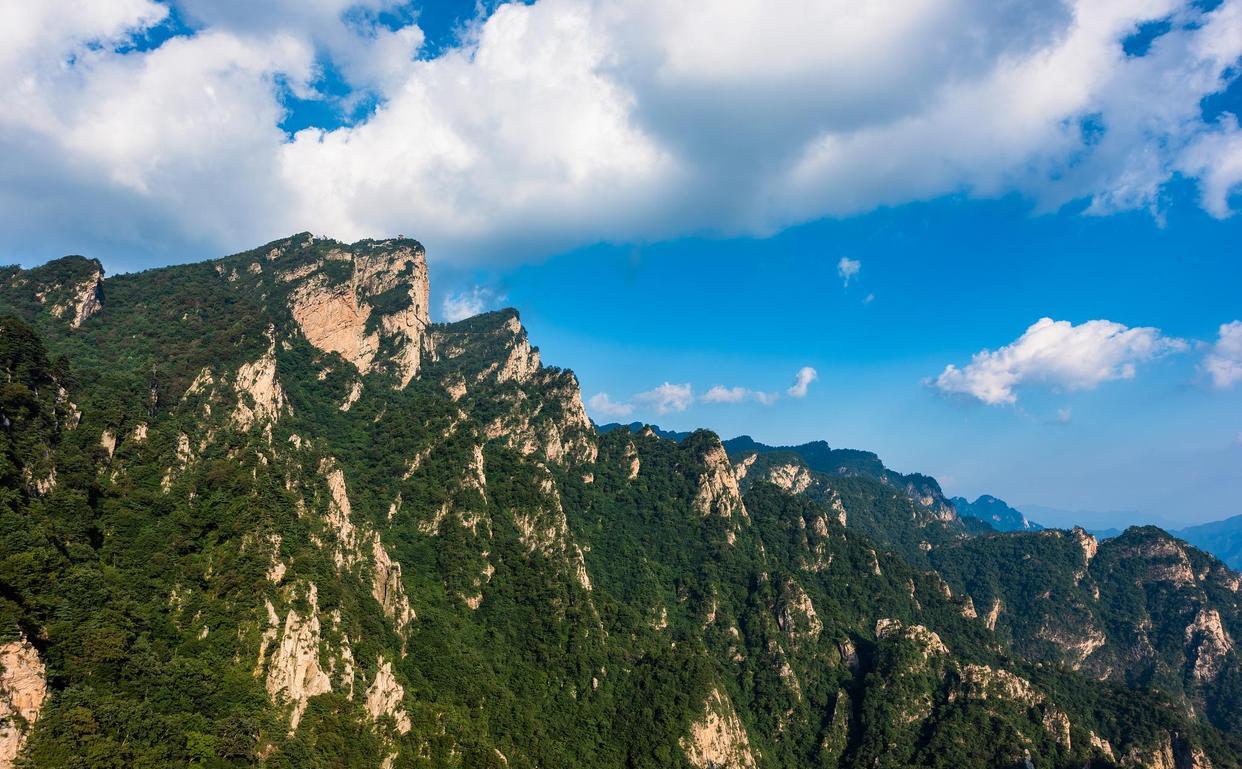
(995, 513)
(1222, 539)
(987, 513)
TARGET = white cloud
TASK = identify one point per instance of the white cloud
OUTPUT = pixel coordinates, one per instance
(1064, 415)
(767, 399)
(802, 381)
(1059, 354)
(848, 268)
(667, 398)
(469, 303)
(1223, 363)
(722, 394)
(601, 404)
(567, 122)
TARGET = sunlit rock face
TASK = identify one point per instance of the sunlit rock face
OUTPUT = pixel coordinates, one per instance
(358, 300)
(23, 689)
(717, 738)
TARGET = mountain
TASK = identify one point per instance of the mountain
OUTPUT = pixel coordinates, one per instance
(995, 513)
(260, 511)
(637, 427)
(818, 457)
(1143, 608)
(1220, 538)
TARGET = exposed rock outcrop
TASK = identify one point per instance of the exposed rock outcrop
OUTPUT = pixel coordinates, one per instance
(717, 740)
(355, 392)
(384, 697)
(107, 442)
(793, 478)
(718, 492)
(1207, 645)
(23, 690)
(337, 316)
(982, 682)
(79, 301)
(927, 641)
(260, 397)
(993, 614)
(1077, 642)
(522, 362)
(796, 614)
(340, 517)
(387, 587)
(293, 672)
(1172, 752)
(1089, 544)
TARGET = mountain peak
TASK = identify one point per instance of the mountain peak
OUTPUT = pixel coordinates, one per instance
(367, 301)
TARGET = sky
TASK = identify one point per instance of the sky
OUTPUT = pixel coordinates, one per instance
(993, 242)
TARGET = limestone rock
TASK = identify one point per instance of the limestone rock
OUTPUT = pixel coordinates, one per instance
(387, 587)
(260, 397)
(337, 317)
(1207, 644)
(927, 641)
(107, 441)
(796, 614)
(993, 614)
(84, 299)
(1078, 641)
(793, 478)
(981, 682)
(718, 492)
(355, 392)
(717, 740)
(294, 674)
(384, 697)
(339, 518)
(23, 690)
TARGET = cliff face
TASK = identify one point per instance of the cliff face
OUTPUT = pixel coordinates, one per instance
(381, 301)
(293, 523)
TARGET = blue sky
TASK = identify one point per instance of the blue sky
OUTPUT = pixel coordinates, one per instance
(684, 197)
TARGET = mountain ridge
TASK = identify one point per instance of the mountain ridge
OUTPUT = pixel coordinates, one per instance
(261, 512)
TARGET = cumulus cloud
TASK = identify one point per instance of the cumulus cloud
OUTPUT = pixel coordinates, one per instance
(848, 268)
(564, 122)
(667, 398)
(802, 380)
(1059, 354)
(466, 304)
(603, 405)
(1223, 363)
(722, 394)
(767, 399)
